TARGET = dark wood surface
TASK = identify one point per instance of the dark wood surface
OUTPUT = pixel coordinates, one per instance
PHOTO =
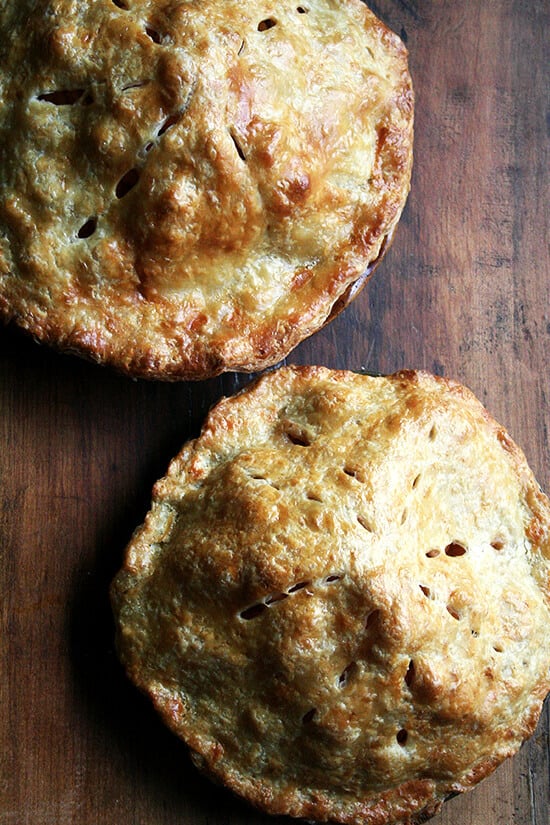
(464, 292)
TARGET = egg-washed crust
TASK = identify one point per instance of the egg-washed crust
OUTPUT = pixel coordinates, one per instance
(191, 187)
(340, 597)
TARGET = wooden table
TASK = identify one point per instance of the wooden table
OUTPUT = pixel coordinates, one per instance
(464, 292)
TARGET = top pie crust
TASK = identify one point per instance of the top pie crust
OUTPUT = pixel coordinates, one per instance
(191, 187)
(340, 598)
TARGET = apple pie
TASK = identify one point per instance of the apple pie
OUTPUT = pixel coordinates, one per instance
(193, 187)
(340, 596)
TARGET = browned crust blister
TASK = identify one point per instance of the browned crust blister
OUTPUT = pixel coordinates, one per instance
(340, 596)
(188, 188)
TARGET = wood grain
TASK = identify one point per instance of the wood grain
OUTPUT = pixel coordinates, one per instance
(464, 291)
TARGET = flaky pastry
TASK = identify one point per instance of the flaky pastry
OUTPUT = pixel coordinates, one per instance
(340, 598)
(190, 187)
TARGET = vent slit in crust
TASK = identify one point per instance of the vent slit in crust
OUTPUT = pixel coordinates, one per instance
(62, 97)
(135, 84)
(454, 550)
(127, 182)
(168, 123)
(88, 228)
(237, 145)
(266, 24)
(153, 34)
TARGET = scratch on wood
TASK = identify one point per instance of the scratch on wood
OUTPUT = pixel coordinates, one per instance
(532, 800)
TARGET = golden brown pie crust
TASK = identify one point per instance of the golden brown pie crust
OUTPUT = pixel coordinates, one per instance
(191, 187)
(340, 597)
